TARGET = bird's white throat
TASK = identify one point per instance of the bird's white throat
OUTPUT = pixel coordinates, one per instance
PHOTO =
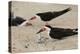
(38, 17)
(48, 30)
(24, 23)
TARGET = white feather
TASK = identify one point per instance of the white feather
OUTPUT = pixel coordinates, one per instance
(24, 23)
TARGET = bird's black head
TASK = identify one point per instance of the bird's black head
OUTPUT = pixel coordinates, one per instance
(39, 14)
(48, 26)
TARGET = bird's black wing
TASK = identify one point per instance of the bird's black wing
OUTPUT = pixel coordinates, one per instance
(46, 16)
(59, 33)
(17, 21)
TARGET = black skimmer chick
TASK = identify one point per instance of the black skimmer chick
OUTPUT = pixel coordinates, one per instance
(58, 33)
(17, 21)
(47, 16)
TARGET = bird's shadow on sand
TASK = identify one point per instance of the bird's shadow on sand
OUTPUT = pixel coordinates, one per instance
(43, 40)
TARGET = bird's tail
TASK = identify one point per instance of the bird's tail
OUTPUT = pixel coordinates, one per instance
(66, 10)
(75, 30)
(58, 13)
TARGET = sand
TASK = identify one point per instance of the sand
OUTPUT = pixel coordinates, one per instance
(25, 39)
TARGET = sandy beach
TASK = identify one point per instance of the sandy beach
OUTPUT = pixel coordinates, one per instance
(25, 39)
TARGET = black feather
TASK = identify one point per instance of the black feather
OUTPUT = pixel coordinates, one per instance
(60, 33)
(47, 16)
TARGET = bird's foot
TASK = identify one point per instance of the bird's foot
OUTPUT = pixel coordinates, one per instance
(42, 40)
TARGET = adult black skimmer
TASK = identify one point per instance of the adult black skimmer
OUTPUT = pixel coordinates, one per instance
(58, 33)
(17, 21)
(47, 16)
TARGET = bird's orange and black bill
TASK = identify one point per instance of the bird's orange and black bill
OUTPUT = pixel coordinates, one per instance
(41, 30)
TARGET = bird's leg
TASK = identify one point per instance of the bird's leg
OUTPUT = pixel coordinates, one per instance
(40, 37)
